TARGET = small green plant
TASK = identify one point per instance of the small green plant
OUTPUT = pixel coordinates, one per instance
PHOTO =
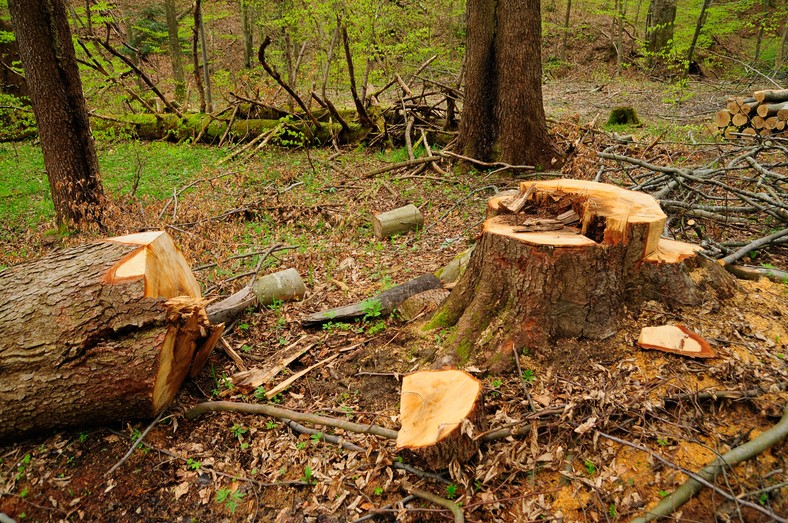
(496, 383)
(83, 437)
(238, 430)
(378, 491)
(308, 475)
(372, 308)
(663, 493)
(316, 437)
(763, 499)
(243, 326)
(451, 491)
(271, 424)
(24, 493)
(477, 485)
(259, 392)
(379, 326)
(193, 464)
(590, 467)
(528, 376)
(229, 499)
(662, 442)
(301, 445)
(246, 348)
(612, 511)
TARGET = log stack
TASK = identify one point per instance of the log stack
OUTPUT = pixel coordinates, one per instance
(764, 114)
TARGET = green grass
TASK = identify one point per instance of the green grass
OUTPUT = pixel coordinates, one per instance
(24, 189)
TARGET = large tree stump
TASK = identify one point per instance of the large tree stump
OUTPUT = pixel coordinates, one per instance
(99, 333)
(532, 279)
(439, 411)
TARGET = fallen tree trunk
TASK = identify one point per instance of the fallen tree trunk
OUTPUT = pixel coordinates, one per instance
(99, 333)
(387, 300)
(526, 286)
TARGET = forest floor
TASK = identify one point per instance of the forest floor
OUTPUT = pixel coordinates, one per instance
(236, 467)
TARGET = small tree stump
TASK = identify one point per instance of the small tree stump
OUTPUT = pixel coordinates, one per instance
(526, 289)
(439, 411)
(99, 333)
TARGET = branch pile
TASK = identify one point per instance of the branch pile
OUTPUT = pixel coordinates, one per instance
(764, 114)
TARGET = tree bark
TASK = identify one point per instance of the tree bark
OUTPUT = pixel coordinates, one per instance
(526, 289)
(195, 50)
(696, 34)
(247, 29)
(44, 37)
(175, 50)
(99, 333)
(503, 117)
(660, 22)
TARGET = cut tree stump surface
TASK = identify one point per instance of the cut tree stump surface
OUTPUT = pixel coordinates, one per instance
(527, 289)
(102, 332)
(439, 411)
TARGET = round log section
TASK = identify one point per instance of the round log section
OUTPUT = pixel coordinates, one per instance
(99, 333)
(439, 411)
(564, 265)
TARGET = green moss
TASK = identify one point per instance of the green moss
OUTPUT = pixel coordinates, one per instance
(623, 115)
(463, 352)
(439, 321)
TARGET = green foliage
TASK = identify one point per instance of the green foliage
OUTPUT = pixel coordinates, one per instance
(229, 498)
(193, 464)
(238, 430)
(308, 475)
(529, 376)
(451, 491)
(590, 467)
(372, 308)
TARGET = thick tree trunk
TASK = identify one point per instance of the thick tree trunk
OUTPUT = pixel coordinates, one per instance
(44, 37)
(660, 22)
(503, 118)
(175, 50)
(526, 286)
(247, 30)
(99, 333)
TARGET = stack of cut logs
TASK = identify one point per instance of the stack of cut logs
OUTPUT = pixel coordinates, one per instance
(764, 114)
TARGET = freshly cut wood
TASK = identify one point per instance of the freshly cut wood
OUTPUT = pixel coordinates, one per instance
(247, 381)
(516, 202)
(771, 95)
(734, 104)
(766, 110)
(740, 119)
(100, 333)
(723, 118)
(748, 108)
(527, 289)
(749, 131)
(387, 301)
(757, 122)
(771, 123)
(397, 221)
(281, 286)
(439, 412)
(782, 114)
(675, 339)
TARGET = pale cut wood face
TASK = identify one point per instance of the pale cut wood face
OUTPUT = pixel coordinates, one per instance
(159, 262)
(433, 404)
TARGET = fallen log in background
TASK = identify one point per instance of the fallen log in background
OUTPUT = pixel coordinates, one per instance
(389, 300)
(99, 333)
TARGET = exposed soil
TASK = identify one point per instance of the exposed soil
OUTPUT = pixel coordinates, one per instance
(557, 468)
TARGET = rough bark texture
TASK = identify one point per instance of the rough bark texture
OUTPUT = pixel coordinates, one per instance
(98, 333)
(44, 37)
(175, 50)
(440, 412)
(503, 117)
(526, 289)
(660, 22)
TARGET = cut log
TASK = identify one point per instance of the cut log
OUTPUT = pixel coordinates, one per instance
(99, 333)
(740, 119)
(734, 104)
(526, 289)
(766, 110)
(723, 118)
(388, 300)
(454, 269)
(771, 96)
(757, 122)
(439, 412)
(422, 304)
(397, 221)
(748, 108)
(516, 202)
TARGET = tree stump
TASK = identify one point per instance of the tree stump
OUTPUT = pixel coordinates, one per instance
(99, 333)
(439, 410)
(532, 279)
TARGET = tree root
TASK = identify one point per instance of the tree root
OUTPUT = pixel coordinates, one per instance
(443, 502)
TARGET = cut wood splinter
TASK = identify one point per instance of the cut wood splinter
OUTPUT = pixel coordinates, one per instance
(675, 339)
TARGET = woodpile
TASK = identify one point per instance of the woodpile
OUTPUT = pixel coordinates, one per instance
(764, 114)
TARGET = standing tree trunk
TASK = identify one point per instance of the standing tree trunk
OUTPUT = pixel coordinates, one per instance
(503, 118)
(566, 29)
(206, 70)
(660, 22)
(698, 27)
(47, 52)
(247, 26)
(195, 55)
(175, 50)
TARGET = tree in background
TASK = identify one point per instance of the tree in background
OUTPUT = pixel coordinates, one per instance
(47, 52)
(179, 79)
(660, 22)
(503, 117)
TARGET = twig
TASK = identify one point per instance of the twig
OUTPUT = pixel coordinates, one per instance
(402, 165)
(757, 244)
(420, 473)
(707, 474)
(292, 379)
(276, 412)
(362, 112)
(501, 166)
(323, 437)
(443, 502)
(229, 125)
(384, 508)
(136, 442)
(266, 254)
